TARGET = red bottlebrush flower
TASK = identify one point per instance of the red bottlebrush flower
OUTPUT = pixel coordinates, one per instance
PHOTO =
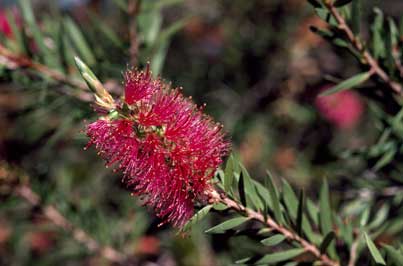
(166, 147)
(344, 109)
(139, 85)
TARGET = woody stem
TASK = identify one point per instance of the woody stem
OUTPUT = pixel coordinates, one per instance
(273, 225)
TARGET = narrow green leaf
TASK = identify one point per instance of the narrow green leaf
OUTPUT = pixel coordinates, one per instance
(324, 33)
(221, 228)
(300, 212)
(364, 217)
(390, 64)
(386, 158)
(356, 16)
(79, 41)
(229, 174)
(17, 32)
(394, 32)
(292, 203)
(197, 217)
(250, 190)
(150, 24)
(345, 12)
(158, 59)
(315, 3)
(159, 49)
(348, 83)
(122, 4)
(290, 199)
(241, 190)
(288, 221)
(380, 217)
(280, 256)
(219, 175)
(107, 32)
(378, 45)
(29, 19)
(385, 135)
(264, 193)
(325, 214)
(274, 198)
(62, 50)
(330, 36)
(393, 227)
(393, 254)
(326, 242)
(273, 240)
(291, 263)
(340, 3)
(313, 211)
(376, 255)
(265, 208)
(157, 5)
(323, 13)
(172, 29)
(325, 210)
(346, 232)
(264, 231)
(237, 168)
(65, 50)
(341, 43)
(243, 261)
(220, 206)
(392, 42)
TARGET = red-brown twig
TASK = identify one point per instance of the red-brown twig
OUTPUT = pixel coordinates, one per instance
(271, 224)
(133, 10)
(51, 213)
(396, 59)
(356, 42)
(22, 61)
(353, 252)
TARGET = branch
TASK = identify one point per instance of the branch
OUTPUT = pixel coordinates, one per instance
(133, 9)
(356, 42)
(353, 252)
(396, 59)
(270, 223)
(50, 212)
(22, 61)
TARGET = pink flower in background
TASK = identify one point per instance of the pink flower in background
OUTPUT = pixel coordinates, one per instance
(167, 149)
(343, 109)
(5, 27)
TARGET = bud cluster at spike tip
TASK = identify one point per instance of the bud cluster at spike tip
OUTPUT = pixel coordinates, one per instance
(167, 149)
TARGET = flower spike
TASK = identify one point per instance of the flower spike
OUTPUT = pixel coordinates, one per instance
(167, 149)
